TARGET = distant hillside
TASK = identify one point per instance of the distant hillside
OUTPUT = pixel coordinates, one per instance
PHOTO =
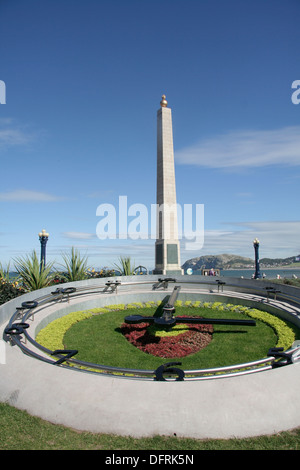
(270, 262)
(226, 261)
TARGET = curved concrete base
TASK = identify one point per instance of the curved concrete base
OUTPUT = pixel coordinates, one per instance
(251, 405)
(262, 403)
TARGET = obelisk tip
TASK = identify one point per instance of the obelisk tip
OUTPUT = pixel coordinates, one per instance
(163, 102)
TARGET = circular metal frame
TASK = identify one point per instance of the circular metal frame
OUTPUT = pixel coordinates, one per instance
(19, 324)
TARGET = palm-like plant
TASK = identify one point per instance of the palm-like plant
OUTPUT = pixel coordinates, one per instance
(4, 274)
(32, 274)
(125, 267)
(75, 265)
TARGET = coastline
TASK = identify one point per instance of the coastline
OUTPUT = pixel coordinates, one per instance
(263, 269)
(267, 273)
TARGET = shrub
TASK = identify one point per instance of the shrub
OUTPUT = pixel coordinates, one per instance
(152, 304)
(9, 291)
(104, 272)
(125, 267)
(32, 275)
(135, 305)
(116, 307)
(76, 267)
(51, 336)
(285, 334)
(159, 332)
(180, 341)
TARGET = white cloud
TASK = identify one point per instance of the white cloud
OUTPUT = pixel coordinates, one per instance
(278, 239)
(25, 195)
(10, 137)
(245, 149)
(12, 134)
(108, 253)
(79, 235)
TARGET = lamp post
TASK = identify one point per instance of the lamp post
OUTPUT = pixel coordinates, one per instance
(43, 236)
(257, 274)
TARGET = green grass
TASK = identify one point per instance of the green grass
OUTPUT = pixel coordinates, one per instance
(288, 281)
(99, 340)
(21, 431)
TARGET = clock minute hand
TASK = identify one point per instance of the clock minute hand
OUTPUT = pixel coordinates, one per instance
(168, 318)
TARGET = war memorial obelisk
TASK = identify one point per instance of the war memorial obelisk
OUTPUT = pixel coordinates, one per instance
(167, 246)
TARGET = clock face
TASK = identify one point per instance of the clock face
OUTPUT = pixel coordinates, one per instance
(173, 338)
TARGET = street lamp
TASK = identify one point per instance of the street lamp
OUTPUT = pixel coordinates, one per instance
(43, 236)
(257, 274)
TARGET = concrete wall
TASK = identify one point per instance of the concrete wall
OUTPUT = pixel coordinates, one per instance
(142, 291)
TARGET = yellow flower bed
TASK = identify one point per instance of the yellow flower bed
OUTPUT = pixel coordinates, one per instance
(52, 335)
(285, 334)
(174, 331)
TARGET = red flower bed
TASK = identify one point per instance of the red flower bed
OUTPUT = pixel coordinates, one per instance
(197, 337)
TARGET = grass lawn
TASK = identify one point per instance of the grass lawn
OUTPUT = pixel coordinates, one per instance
(21, 431)
(99, 340)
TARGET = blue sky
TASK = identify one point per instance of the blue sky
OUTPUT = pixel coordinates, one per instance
(84, 81)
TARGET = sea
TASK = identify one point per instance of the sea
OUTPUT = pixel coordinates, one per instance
(288, 273)
(280, 273)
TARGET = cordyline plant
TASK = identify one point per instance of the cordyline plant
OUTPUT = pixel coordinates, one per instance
(76, 266)
(32, 274)
(125, 267)
(4, 274)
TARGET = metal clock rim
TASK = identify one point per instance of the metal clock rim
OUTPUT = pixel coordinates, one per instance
(14, 330)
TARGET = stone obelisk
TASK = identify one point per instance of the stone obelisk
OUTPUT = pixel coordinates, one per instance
(167, 246)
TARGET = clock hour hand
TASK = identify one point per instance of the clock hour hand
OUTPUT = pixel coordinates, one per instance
(168, 318)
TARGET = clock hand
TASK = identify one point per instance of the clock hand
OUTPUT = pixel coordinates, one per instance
(168, 318)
